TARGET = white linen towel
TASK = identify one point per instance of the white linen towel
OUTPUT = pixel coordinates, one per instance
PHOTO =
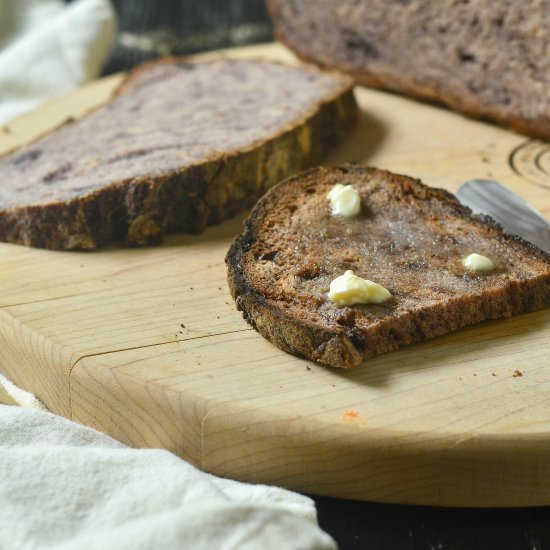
(66, 486)
(48, 48)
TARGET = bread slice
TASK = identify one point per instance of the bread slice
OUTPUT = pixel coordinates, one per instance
(486, 59)
(409, 238)
(182, 145)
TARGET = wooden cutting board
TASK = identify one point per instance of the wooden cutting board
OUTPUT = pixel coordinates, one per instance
(147, 346)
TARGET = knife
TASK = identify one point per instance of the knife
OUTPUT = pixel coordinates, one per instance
(514, 214)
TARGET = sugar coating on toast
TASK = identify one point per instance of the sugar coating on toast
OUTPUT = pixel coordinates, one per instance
(409, 238)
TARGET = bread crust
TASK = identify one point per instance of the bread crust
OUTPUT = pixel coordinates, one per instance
(379, 78)
(348, 345)
(140, 210)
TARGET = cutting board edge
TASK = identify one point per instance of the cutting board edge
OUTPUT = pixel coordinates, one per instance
(229, 434)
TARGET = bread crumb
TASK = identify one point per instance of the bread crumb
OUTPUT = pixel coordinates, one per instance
(517, 374)
(493, 374)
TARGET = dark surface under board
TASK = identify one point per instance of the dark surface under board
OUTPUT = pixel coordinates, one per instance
(365, 525)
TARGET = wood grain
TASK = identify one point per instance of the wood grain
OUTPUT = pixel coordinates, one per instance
(146, 345)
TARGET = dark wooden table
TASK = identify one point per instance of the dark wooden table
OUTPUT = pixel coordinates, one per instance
(150, 29)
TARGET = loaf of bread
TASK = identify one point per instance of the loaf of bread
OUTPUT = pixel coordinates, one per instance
(486, 59)
(409, 238)
(182, 145)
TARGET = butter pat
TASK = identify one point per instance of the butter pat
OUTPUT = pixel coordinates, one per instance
(344, 200)
(349, 289)
(477, 262)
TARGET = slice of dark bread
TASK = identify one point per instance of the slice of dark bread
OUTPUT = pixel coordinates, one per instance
(409, 238)
(182, 145)
(486, 59)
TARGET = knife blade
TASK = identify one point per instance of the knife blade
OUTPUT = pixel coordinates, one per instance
(507, 208)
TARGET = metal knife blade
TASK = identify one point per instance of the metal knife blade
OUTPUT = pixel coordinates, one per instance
(514, 214)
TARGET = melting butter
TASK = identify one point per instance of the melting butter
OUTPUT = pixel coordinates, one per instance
(349, 289)
(478, 262)
(344, 200)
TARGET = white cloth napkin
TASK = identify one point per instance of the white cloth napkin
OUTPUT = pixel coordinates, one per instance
(10, 394)
(48, 47)
(66, 486)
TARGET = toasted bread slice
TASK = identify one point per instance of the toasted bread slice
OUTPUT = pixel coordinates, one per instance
(409, 238)
(182, 145)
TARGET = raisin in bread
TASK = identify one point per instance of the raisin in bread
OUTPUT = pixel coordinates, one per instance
(408, 237)
(486, 59)
(182, 145)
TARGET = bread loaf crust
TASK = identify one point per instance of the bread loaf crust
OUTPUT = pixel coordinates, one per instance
(142, 207)
(348, 45)
(305, 324)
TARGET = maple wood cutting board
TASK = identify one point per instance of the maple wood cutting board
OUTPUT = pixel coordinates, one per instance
(146, 345)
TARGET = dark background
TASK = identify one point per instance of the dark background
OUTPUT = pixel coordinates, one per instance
(151, 28)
